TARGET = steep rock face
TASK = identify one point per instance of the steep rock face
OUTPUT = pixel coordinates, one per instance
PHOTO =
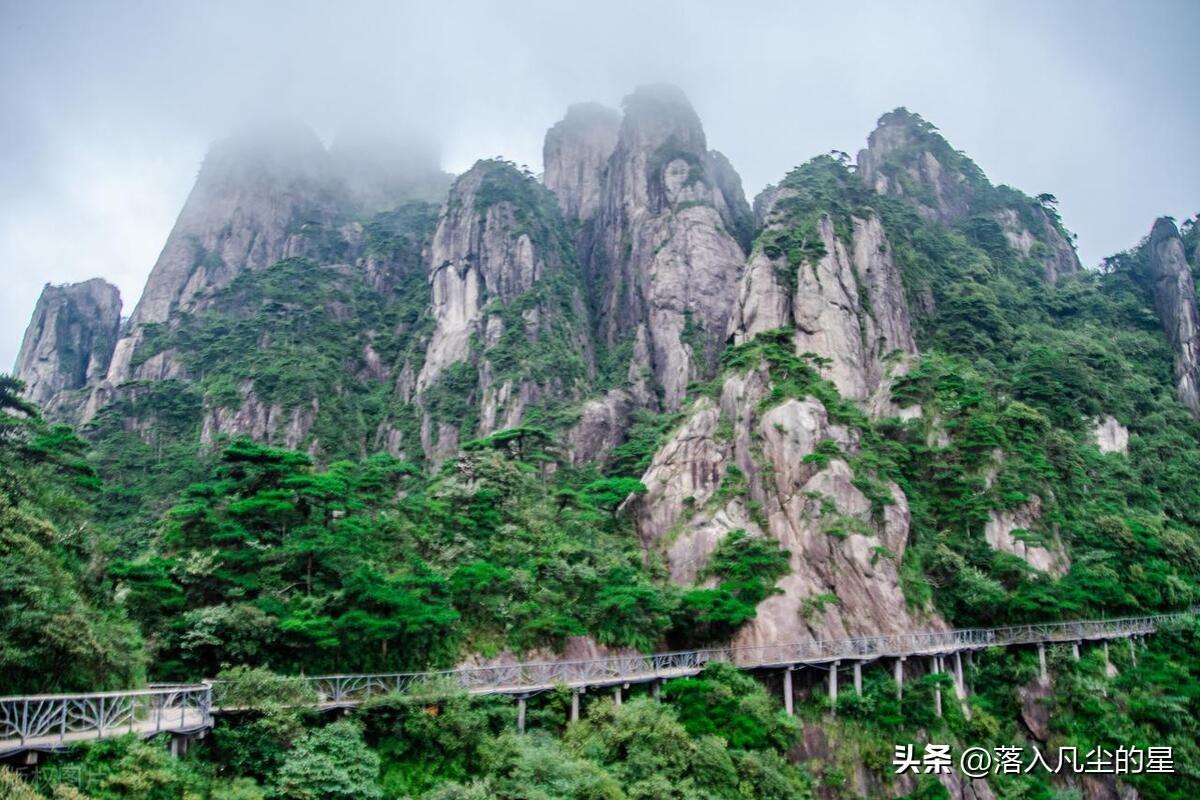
(1000, 528)
(601, 427)
(906, 157)
(1111, 436)
(899, 160)
(575, 156)
(70, 339)
(260, 197)
(260, 421)
(1174, 292)
(848, 306)
(662, 252)
(845, 552)
(505, 302)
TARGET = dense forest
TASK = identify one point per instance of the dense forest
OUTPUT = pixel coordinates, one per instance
(166, 538)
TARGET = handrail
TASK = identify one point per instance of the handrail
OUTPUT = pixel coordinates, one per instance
(53, 720)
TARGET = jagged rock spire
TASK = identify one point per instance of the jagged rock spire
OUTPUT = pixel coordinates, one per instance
(1174, 293)
(575, 156)
(70, 339)
(662, 253)
(842, 295)
(505, 297)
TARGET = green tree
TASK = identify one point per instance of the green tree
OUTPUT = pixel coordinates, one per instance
(329, 763)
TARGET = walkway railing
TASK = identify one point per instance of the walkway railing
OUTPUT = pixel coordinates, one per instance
(51, 721)
(635, 668)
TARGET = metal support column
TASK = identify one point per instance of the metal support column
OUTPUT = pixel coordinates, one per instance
(937, 690)
(1043, 675)
(858, 678)
(899, 670)
(833, 678)
(520, 713)
(787, 692)
(574, 706)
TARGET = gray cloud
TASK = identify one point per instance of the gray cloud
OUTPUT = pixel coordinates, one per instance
(108, 107)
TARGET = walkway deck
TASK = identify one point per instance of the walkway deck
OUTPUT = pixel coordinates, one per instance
(49, 722)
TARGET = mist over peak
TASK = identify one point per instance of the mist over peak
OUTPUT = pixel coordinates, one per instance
(109, 111)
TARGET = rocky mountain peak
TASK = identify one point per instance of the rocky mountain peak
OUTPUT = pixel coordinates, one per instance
(503, 279)
(907, 157)
(70, 339)
(1174, 293)
(575, 156)
(824, 267)
(251, 189)
(663, 244)
(262, 195)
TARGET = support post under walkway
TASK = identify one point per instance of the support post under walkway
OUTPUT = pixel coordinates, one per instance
(787, 692)
(833, 689)
(858, 678)
(899, 670)
(937, 690)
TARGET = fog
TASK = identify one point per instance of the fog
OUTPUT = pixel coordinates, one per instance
(108, 108)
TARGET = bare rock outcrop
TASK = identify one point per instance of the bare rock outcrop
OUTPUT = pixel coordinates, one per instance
(737, 464)
(263, 422)
(1001, 529)
(69, 342)
(504, 294)
(906, 157)
(575, 156)
(848, 306)
(1110, 435)
(1174, 293)
(601, 427)
(662, 249)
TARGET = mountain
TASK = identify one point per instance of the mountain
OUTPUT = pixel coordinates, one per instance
(510, 328)
(69, 342)
(370, 417)
(1174, 291)
(660, 245)
(906, 157)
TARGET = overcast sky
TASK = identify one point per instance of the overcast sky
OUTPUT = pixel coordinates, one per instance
(106, 108)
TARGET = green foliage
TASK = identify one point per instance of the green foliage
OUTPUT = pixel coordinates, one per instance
(329, 763)
(56, 630)
(647, 432)
(723, 701)
(747, 569)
